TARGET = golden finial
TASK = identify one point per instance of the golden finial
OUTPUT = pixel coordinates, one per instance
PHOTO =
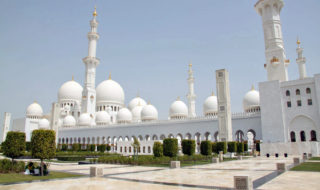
(110, 76)
(95, 12)
(178, 99)
(148, 102)
(190, 64)
(298, 41)
(72, 77)
(212, 94)
(35, 101)
(138, 94)
(252, 87)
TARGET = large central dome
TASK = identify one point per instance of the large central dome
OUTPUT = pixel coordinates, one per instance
(70, 91)
(110, 92)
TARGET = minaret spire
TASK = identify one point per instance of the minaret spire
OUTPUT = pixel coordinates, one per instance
(91, 62)
(191, 95)
(301, 61)
(276, 62)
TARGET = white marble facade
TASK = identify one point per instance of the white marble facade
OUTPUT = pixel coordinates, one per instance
(283, 111)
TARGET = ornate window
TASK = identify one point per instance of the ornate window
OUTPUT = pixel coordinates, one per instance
(309, 102)
(289, 104)
(299, 103)
(313, 135)
(297, 92)
(293, 136)
(287, 93)
(308, 91)
(302, 136)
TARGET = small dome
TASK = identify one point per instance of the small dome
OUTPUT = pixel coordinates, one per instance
(70, 91)
(178, 109)
(124, 116)
(84, 120)
(102, 118)
(149, 113)
(34, 110)
(136, 113)
(69, 121)
(44, 124)
(251, 101)
(135, 102)
(110, 92)
(210, 105)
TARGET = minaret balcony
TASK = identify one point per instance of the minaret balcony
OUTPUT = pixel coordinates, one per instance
(91, 60)
(93, 36)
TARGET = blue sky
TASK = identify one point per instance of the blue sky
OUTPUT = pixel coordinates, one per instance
(146, 45)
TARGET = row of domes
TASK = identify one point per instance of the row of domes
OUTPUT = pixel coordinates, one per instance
(110, 92)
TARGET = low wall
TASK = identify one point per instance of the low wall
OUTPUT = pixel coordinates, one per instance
(291, 148)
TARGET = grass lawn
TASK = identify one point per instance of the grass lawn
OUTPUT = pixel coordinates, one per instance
(19, 177)
(307, 166)
(315, 158)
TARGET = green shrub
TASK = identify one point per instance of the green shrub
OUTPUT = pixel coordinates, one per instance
(5, 166)
(102, 148)
(18, 167)
(64, 147)
(170, 147)
(258, 146)
(188, 147)
(157, 149)
(240, 147)
(206, 148)
(28, 146)
(43, 145)
(232, 146)
(91, 147)
(215, 148)
(75, 147)
(246, 147)
(108, 147)
(15, 144)
(222, 146)
(70, 158)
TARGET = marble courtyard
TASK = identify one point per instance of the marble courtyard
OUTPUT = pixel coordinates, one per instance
(262, 170)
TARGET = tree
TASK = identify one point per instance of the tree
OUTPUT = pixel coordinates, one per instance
(232, 146)
(206, 148)
(157, 149)
(43, 145)
(170, 147)
(136, 146)
(188, 147)
(15, 144)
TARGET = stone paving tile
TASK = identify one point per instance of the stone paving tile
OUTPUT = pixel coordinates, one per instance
(89, 184)
(294, 181)
(210, 176)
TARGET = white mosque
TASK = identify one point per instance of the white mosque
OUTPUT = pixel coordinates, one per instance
(284, 115)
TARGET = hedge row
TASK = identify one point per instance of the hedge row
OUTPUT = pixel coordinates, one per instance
(90, 147)
(7, 166)
(71, 158)
(148, 159)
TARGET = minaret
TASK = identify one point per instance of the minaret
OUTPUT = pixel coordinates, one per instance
(191, 95)
(91, 62)
(301, 61)
(276, 62)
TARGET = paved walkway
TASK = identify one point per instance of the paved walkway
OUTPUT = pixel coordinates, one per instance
(211, 176)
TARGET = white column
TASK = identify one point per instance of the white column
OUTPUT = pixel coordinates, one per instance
(91, 62)
(301, 61)
(224, 106)
(276, 62)
(191, 95)
(6, 125)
